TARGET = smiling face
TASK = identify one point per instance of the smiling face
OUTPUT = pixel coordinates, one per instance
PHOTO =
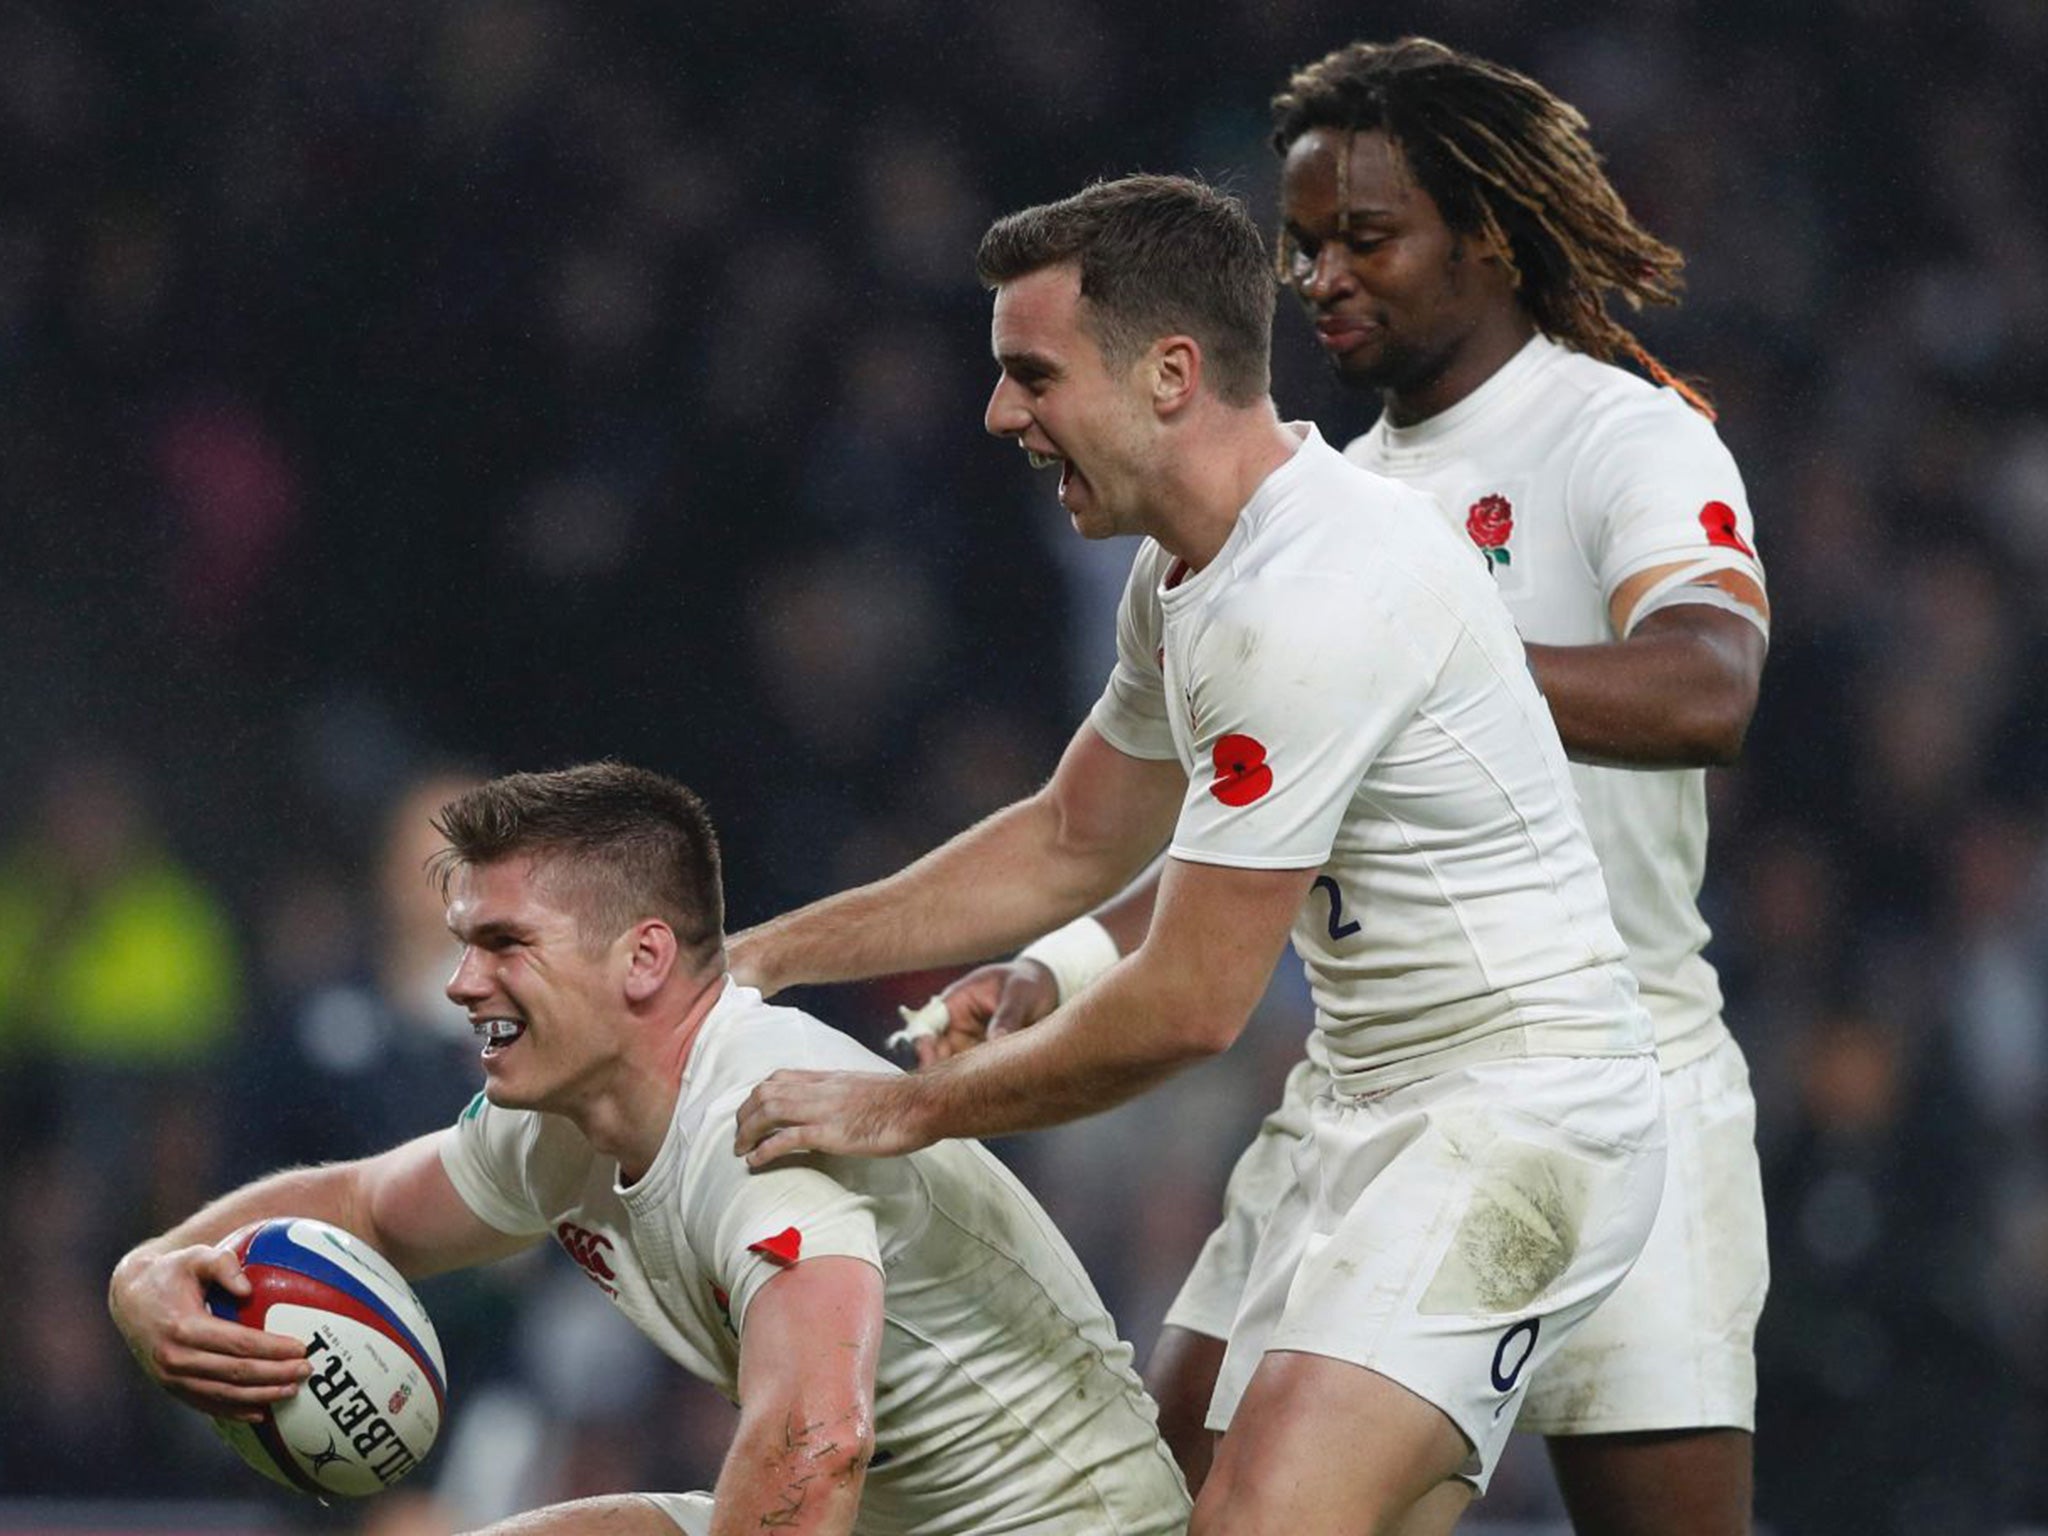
(551, 1010)
(1065, 405)
(1401, 302)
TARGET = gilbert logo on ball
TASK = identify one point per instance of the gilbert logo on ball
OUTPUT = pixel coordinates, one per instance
(371, 1409)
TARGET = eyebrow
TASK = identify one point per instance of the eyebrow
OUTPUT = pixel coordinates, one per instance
(1365, 212)
(1028, 365)
(484, 933)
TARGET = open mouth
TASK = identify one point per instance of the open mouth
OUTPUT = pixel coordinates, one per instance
(1056, 461)
(498, 1034)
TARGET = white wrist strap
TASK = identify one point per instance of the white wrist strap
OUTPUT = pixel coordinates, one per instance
(1076, 955)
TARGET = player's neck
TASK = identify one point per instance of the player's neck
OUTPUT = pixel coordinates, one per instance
(1209, 483)
(631, 1117)
(1482, 353)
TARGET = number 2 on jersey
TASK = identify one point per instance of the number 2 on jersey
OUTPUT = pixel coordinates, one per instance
(1339, 929)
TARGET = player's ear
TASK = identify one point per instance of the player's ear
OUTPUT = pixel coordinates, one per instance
(1174, 367)
(651, 951)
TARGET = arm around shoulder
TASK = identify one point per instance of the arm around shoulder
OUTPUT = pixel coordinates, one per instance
(1009, 878)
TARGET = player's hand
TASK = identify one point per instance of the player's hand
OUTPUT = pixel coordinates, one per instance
(854, 1114)
(987, 1003)
(158, 1301)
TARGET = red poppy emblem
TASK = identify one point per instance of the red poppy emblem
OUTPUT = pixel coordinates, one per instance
(784, 1247)
(1490, 521)
(1718, 518)
(1241, 772)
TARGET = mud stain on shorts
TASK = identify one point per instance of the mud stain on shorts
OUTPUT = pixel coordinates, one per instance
(1520, 1232)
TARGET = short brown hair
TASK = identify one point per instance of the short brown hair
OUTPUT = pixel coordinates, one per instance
(614, 844)
(1159, 256)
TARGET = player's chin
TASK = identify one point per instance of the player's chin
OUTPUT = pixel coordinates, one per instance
(504, 1090)
(1363, 371)
(1088, 520)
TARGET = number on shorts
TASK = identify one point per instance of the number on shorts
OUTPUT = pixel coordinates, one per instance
(1508, 1359)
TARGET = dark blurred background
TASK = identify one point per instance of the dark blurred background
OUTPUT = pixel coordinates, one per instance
(396, 392)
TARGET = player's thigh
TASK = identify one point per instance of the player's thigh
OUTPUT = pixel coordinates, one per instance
(1461, 1229)
(1181, 1376)
(1674, 1348)
(1280, 1467)
(1694, 1482)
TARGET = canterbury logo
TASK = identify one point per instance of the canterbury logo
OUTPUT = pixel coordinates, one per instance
(589, 1250)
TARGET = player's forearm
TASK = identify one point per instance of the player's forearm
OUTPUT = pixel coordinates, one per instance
(787, 1471)
(1128, 915)
(1120, 1038)
(1661, 700)
(329, 1193)
(1003, 881)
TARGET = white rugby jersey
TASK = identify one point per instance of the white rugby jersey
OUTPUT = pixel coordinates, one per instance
(1575, 475)
(1345, 690)
(1004, 1401)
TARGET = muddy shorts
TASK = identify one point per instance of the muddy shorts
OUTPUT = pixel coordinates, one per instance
(1675, 1346)
(1451, 1234)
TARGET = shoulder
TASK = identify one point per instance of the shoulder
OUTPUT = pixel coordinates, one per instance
(1337, 519)
(517, 1144)
(746, 1038)
(1362, 592)
(1619, 411)
(1348, 477)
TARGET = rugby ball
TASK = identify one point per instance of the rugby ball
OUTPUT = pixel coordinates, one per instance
(371, 1409)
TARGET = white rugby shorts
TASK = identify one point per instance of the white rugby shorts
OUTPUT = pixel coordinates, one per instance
(1673, 1348)
(1451, 1234)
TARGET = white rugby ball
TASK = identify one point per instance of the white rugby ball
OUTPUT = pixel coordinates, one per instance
(370, 1411)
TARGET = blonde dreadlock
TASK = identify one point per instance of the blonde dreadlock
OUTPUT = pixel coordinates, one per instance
(1508, 162)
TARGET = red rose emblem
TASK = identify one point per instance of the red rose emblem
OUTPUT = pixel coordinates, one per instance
(1490, 521)
(1241, 772)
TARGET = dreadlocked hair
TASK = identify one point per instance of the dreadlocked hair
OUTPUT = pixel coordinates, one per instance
(1509, 163)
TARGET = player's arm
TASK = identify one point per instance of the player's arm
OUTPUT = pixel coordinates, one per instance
(1679, 690)
(401, 1202)
(1026, 869)
(808, 1349)
(992, 1000)
(1184, 995)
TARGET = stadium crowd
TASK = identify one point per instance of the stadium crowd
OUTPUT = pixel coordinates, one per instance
(392, 393)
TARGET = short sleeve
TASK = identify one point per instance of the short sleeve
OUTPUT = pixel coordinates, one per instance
(748, 1227)
(485, 1153)
(1297, 687)
(1657, 487)
(1131, 714)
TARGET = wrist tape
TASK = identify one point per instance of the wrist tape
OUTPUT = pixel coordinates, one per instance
(1076, 955)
